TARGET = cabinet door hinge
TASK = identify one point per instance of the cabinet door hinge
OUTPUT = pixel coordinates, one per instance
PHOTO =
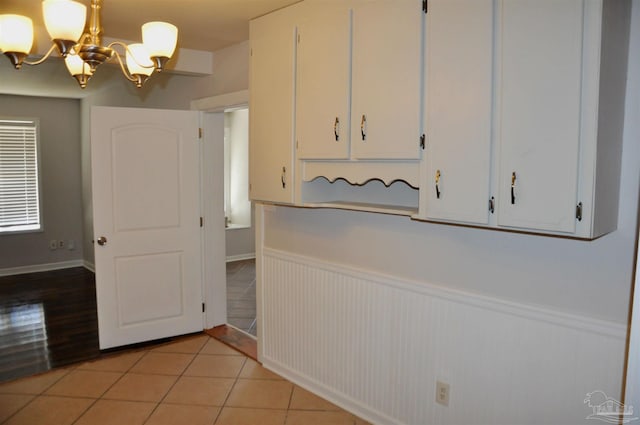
(200, 132)
(424, 6)
(201, 221)
(579, 211)
(422, 141)
(203, 307)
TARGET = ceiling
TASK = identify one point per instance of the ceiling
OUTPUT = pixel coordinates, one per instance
(203, 24)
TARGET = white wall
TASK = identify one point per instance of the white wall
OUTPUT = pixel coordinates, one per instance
(60, 183)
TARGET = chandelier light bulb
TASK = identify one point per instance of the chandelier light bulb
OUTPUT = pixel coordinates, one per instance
(16, 34)
(64, 19)
(160, 38)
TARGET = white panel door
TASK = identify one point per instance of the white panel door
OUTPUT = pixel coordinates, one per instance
(458, 102)
(146, 203)
(540, 97)
(324, 81)
(386, 79)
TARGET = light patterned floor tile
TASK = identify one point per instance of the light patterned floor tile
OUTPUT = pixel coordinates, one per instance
(216, 347)
(51, 411)
(11, 403)
(141, 387)
(34, 384)
(305, 400)
(306, 417)
(84, 383)
(163, 363)
(247, 416)
(215, 366)
(260, 394)
(176, 414)
(115, 363)
(200, 391)
(190, 345)
(253, 370)
(115, 412)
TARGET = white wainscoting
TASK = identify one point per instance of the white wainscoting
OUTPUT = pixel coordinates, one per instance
(376, 345)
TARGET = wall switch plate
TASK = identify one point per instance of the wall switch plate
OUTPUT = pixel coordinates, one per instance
(53, 245)
(442, 393)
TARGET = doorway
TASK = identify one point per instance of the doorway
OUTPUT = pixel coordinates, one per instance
(239, 234)
(239, 229)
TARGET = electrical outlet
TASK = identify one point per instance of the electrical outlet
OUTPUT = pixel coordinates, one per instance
(61, 244)
(442, 393)
(53, 244)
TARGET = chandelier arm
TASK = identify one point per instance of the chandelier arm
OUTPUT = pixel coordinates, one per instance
(42, 59)
(127, 50)
(123, 68)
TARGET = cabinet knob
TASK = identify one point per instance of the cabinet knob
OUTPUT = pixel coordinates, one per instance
(438, 184)
(336, 129)
(513, 188)
(363, 123)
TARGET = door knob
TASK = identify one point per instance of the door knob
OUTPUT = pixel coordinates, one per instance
(102, 241)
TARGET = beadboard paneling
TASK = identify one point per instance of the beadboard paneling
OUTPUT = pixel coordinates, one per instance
(376, 345)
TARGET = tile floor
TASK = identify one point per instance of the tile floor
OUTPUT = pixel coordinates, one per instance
(195, 380)
(241, 295)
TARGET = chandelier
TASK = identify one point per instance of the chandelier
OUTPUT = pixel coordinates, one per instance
(84, 52)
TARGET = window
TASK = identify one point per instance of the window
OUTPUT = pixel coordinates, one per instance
(19, 192)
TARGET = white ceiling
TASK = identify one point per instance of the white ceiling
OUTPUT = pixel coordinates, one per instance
(203, 24)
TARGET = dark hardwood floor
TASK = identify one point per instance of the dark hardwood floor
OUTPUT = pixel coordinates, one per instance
(47, 320)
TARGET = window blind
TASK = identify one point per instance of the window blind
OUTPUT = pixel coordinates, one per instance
(19, 197)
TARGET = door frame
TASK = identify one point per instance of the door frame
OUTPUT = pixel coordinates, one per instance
(214, 253)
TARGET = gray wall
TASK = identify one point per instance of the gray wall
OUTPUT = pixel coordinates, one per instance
(60, 182)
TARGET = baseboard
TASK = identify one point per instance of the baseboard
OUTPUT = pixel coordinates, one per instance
(34, 268)
(240, 257)
(89, 266)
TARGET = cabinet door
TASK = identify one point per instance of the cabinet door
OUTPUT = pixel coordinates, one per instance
(458, 101)
(324, 88)
(386, 79)
(272, 87)
(539, 121)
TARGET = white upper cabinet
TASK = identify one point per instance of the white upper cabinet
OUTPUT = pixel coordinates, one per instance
(458, 101)
(386, 79)
(324, 81)
(539, 113)
(524, 114)
(271, 106)
(559, 114)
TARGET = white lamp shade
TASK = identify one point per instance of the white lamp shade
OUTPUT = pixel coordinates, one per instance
(77, 66)
(64, 19)
(16, 34)
(160, 38)
(138, 60)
